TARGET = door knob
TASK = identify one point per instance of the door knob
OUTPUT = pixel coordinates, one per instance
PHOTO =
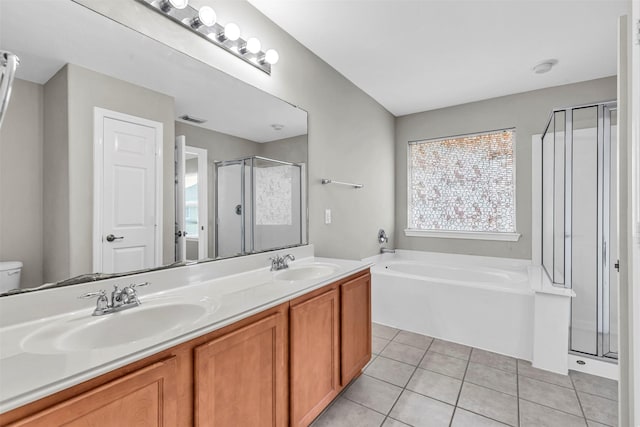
(111, 238)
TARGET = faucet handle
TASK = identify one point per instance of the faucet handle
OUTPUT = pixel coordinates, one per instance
(101, 304)
(285, 264)
(139, 285)
(100, 293)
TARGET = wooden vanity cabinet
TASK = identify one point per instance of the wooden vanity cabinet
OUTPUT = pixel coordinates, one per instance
(146, 397)
(241, 377)
(355, 332)
(330, 344)
(314, 328)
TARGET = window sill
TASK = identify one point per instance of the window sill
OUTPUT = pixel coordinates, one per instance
(472, 235)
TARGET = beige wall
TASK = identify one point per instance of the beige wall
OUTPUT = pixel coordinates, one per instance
(21, 181)
(294, 149)
(89, 89)
(350, 135)
(57, 240)
(528, 112)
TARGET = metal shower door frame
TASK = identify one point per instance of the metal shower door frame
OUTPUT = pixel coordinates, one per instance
(604, 180)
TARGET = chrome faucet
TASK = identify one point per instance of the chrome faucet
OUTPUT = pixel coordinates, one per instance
(121, 299)
(281, 262)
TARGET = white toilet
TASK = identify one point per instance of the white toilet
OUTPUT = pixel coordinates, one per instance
(9, 275)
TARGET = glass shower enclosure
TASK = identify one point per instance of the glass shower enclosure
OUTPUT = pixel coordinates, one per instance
(259, 206)
(579, 221)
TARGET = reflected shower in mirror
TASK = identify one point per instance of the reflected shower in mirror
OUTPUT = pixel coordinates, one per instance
(259, 205)
(110, 146)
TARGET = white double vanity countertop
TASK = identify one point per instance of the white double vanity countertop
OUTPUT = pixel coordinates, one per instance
(50, 341)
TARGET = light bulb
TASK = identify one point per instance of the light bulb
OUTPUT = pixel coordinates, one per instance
(179, 4)
(232, 31)
(207, 16)
(253, 45)
(271, 56)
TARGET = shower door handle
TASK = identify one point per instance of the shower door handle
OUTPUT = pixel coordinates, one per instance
(617, 266)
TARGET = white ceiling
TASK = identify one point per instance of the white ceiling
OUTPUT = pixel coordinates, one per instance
(420, 55)
(61, 32)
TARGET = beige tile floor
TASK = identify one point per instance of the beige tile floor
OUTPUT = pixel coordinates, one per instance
(415, 380)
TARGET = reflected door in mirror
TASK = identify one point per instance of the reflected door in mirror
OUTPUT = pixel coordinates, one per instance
(127, 212)
(192, 231)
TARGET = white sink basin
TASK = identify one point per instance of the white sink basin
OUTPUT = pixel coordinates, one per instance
(84, 333)
(306, 272)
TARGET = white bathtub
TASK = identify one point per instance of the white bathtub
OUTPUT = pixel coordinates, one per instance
(478, 301)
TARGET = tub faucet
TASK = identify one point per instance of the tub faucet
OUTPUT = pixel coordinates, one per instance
(387, 251)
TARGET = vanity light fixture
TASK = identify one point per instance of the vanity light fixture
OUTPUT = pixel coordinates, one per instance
(203, 22)
(252, 45)
(270, 57)
(231, 32)
(206, 16)
(167, 5)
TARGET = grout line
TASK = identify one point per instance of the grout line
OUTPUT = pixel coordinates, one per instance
(494, 367)
(555, 409)
(579, 401)
(595, 395)
(411, 376)
(481, 415)
(401, 422)
(381, 380)
(365, 406)
(431, 397)
(440, 373)
(573, 387)
(493, 389)
(384, 338)
(546, 382)
(455, 357)
(411, 345)
(398, 361)
(461, 386)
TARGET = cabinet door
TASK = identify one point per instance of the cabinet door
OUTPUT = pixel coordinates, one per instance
(146, 397)
(355, 310)
(241, 378)
(315, 356)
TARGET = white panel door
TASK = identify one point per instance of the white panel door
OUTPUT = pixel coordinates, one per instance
(129, 207)
(180, 238)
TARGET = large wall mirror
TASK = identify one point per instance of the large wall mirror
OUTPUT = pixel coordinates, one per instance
(119, 154)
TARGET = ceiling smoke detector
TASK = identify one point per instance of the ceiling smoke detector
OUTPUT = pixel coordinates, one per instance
(277, 126)
(545, 66)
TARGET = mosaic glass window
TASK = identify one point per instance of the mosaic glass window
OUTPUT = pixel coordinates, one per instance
(463, 183)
